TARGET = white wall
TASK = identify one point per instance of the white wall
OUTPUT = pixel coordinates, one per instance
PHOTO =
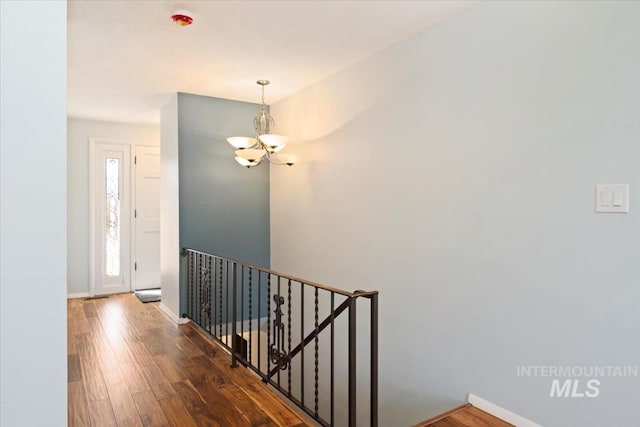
(33, 345)
(455, 173)
(170, 209)
(79, 132)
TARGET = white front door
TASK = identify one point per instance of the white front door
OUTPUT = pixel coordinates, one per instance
(110, 218)
(147, 218)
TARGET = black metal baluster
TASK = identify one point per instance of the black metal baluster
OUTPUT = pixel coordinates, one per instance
(374, 361)
(241, 304)
(201, 290)
(209, 294)
(333, 318)
(188, 269)
(259, 319)
(192, 287)
(268, 327)
(352, 362)
(302, 341)
(203, 283)
(278, 338)
(289, 338)
(214, 295)
(250, 317)
(220, 301)
(196, 279)
(316, 353)
(227, 313)
(199, 293)
(226, 303)
(234, 315)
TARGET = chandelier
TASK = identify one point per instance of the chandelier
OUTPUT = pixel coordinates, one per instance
(266, 145)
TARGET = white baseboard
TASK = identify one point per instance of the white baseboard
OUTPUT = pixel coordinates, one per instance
(171, 315)
(78, 295)
(497, 411)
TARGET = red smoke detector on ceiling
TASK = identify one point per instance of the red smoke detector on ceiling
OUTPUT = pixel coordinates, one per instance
(182, 17)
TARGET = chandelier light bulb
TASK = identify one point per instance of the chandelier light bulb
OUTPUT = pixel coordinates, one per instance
(245, 162)
(288, 159)
(241, 142)
(274, 143)
(251, 154)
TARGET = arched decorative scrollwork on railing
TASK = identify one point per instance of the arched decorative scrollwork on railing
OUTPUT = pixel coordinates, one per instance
(278, 357)
(205, 300)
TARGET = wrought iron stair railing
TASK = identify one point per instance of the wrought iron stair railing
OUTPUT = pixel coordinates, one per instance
(268, 319)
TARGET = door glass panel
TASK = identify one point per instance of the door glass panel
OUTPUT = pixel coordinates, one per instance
(112, 217)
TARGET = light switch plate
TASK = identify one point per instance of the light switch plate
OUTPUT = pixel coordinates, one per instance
(612, 198)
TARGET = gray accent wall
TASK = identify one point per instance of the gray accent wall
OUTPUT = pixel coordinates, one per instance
(224, 208)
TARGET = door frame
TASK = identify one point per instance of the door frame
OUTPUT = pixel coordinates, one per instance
(93, 143)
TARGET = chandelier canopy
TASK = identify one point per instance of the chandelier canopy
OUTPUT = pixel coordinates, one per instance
(266, 145)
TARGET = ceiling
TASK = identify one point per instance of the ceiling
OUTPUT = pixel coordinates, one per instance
(126, 58)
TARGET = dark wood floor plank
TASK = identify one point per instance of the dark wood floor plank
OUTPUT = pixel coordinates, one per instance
(240, 376)
(271, 405)
(174, 409)
(123, 406)
(222, 406)
(150, 412)
(89, 310)
(77, 409)
(447, 422)
(95, 327)
(74, 371)
(81, 324)
(243, 403)
(153, 345)
(72, 347)
(188, 347)
(159, 385)
(197, 407)
(178, 356)
(204, 371)
(140, 354)
(204, 344)
(476, 417)
(101, 414)
(95, 387)
(86, 347)
(110, 369)
(171, 371)
(133, 377)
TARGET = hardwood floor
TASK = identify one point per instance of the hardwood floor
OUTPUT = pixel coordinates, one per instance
(129, 365)
(464, 416)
